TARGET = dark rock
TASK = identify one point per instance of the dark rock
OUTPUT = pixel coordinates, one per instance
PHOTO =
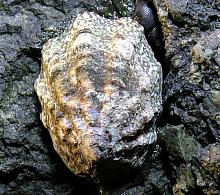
(189, 85)
(190, 88)
(151, 179)
(180, 149)
(207, 169)
(180, 145)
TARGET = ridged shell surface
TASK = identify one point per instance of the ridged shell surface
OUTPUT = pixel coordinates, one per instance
(100, 91)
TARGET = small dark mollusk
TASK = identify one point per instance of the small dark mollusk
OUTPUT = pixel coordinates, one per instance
(147, 17)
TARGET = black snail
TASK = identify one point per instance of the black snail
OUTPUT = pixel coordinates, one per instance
(146, 15)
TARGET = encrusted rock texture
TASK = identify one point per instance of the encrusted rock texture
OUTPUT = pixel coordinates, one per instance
(100, 88)
(186, 157)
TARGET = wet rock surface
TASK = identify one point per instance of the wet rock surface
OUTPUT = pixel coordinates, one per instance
(190, 88)
(207, 169)
(28, 163)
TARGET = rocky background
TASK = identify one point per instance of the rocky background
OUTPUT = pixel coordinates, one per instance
(187, 157)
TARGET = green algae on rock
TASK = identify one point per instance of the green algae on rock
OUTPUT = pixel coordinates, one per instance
(100, 91)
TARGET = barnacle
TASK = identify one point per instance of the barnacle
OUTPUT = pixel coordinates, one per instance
(99, 86)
